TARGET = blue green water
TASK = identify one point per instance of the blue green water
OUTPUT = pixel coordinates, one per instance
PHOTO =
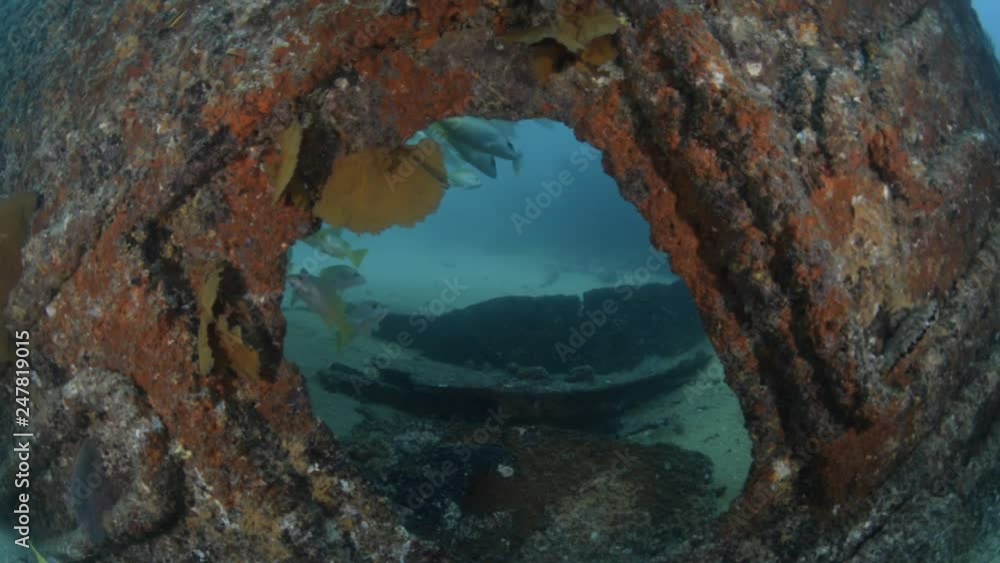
(561, 216)
(989, 15)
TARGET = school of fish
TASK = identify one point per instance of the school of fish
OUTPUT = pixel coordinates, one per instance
(323, 293)
(470, 146)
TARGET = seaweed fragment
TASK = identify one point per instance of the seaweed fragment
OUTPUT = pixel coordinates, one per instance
(207, 295)
(242, 358)
(280, 173)
(216, 329)
(372, 190)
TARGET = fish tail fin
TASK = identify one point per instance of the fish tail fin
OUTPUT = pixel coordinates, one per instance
(357, 256)
(345, 335)
(335, 316)
(438, 133)
(38, 556)
(337, 319)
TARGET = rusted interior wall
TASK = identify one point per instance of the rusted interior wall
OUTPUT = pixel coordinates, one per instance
(823, 175)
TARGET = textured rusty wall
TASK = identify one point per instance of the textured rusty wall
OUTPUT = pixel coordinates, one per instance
(822, 173)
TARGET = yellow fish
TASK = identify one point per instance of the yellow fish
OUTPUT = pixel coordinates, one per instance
(325, 302)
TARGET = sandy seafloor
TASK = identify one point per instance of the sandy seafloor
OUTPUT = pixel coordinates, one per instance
(703, 416)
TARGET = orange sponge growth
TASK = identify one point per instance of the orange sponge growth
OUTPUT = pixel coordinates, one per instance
(207, 295)
(375, 189)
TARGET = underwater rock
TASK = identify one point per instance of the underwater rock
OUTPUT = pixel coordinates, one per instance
(822, 175)
(612, 329)
(15, 225)
(116, 482)
(534, 373)
(581, 374)
(526, 493)
(280, 173)
(427, 388)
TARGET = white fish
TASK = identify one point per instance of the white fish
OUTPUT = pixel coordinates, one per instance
(482, 136)
(416, 138)
(452, 160)
(451, 156)
(464, 178)
(330, 242)
(485, 163)
(508, 128)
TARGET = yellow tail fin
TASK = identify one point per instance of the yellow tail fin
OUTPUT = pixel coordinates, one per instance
(358, 256)
(344, 336)
(38, 556)
(337, 319)
(336, 315)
